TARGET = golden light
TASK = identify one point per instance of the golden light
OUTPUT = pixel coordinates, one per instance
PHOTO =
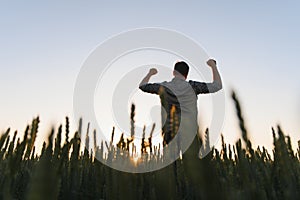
(135, 160)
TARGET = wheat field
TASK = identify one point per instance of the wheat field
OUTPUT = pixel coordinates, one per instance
(62, 171)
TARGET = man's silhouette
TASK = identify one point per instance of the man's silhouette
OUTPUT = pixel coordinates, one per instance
(179, 99)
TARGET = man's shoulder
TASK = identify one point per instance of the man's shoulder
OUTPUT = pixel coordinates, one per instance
(164, 83)
(192, 81)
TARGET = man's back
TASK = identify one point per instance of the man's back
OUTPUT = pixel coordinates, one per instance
(180, 93)
(179, 108)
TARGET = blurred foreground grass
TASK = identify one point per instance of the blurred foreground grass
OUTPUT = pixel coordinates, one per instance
(64, 172)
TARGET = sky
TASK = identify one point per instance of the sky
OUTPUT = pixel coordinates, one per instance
(43, 46)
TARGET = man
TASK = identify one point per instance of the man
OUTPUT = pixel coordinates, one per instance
(179, 99)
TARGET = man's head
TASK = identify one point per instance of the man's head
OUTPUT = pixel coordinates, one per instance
(182, 68)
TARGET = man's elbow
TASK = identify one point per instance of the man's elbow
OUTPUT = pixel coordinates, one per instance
(142, 87)
(217, 86)
(142, 84)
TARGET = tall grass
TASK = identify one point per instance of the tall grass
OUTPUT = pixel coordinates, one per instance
(64, 172)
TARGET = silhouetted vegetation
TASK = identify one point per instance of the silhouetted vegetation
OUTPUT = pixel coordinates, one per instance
(62, 171)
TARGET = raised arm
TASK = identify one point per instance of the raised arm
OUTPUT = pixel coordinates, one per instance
(217, 81)
(145, 86)
(216, 85)
(146, 79)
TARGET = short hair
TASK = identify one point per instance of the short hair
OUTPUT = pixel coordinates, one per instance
(182, 68)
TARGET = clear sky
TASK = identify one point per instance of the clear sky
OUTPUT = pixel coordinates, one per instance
(43, 46)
